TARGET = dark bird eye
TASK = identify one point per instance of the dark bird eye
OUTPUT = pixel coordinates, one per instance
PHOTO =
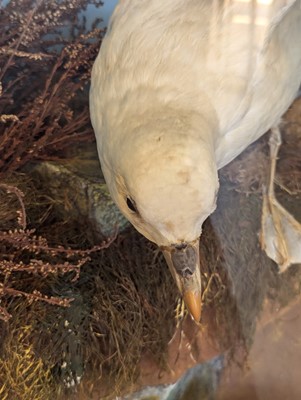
(131, 204)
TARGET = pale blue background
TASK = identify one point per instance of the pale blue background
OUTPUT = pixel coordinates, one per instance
(107, 9)
(103, 12)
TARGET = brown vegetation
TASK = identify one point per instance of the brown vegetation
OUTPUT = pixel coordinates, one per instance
(24, 251)
(45, 61)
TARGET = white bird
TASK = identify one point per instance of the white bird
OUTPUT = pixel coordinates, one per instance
(178, 90)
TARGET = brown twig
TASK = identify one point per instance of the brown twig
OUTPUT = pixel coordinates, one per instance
(35, 296)
(29, 18)
(21, 213)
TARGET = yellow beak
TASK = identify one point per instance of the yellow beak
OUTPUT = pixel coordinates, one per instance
(184, 263)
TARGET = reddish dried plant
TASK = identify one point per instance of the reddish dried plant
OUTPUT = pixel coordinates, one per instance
(22, 243)
(45, 60)
(46, 56)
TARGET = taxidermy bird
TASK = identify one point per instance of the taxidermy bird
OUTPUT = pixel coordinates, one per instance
(179, 89)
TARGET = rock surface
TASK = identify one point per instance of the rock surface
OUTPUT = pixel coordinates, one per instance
(198, 383)
(79, 191)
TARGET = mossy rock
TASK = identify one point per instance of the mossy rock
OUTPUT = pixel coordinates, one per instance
(79, 192)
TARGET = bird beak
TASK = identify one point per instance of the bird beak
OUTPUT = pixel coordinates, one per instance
(184, 263)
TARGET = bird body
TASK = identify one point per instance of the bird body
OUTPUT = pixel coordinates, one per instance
(195, 54)
(179, 89)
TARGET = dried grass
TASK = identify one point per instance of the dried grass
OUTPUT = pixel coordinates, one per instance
(24, 375)
(123, 298)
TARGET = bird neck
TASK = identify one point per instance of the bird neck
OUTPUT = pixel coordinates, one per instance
(166, 122)
(166, 109)
(169, 134)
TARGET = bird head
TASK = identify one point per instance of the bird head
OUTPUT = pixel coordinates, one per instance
(165, 182)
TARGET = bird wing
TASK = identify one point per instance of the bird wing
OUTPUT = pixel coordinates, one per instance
(208, 55)
(273, 83)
